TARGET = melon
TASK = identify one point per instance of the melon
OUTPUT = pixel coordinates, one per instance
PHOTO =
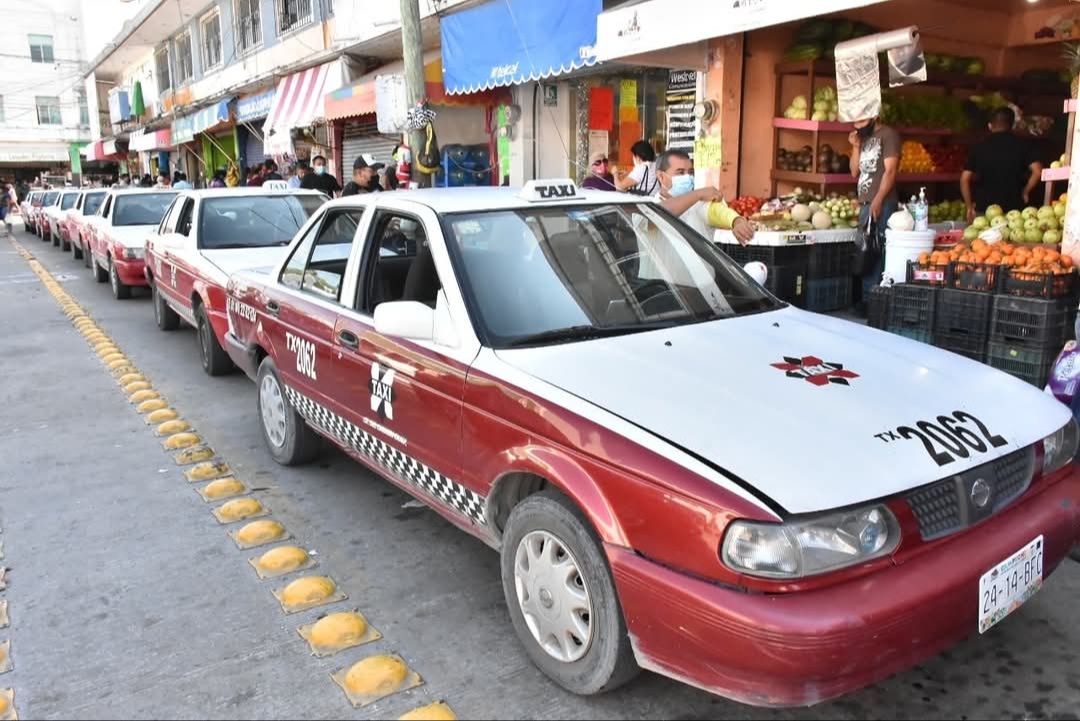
(822, 220)
(800, 213)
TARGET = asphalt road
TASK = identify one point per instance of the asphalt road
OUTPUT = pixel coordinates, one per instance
(127, 598)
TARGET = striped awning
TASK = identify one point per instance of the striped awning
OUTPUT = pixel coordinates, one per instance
(144, 141)
(186, 127)
(297, 104)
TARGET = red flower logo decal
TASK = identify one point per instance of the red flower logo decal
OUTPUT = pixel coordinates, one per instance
(814, 370)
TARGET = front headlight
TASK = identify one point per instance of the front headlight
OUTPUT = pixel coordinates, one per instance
(133, 253)
(807, 547)
(1060, 446)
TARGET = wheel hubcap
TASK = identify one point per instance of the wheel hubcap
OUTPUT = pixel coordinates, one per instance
(273, 410)
(553, 597)
(113, 280)
(204, 339)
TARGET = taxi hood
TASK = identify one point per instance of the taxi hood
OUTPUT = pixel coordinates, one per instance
(803, 407)
(131, 236)
(232, 260)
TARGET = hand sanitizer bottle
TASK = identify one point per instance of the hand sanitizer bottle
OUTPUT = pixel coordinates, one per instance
(922, 211)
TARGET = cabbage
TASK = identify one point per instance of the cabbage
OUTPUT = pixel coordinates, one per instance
(901, 220)
(799, 102)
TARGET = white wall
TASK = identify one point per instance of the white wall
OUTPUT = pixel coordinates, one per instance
(548, 137)
(357, 21)
(460, 124)
(103, 20)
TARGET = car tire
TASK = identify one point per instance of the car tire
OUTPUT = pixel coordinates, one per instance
(76, 251)
(288, 437)
(119, 290)
(87, 255)
(100, 274)
(55, 238)
(165, 317)
(1075, 553)
(65, 245)
(215, 361)
(608, 659)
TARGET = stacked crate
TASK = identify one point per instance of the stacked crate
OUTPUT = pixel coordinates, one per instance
(962, 322)
(1026, 335)
(912, 310)
(787, 266)
(829, 281)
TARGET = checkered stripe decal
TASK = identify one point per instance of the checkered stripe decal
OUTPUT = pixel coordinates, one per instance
(435, 484)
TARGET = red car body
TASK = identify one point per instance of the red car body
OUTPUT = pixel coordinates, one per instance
(122, 246)
(76, 226)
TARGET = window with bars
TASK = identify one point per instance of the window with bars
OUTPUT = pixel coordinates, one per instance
(248, 25)
(184, 62)
(293, 14)
(41, 48)
(211, 39)
(161, 62)
(48, 110)
(84, 111)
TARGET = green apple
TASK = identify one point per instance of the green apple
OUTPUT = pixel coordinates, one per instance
(1033, 235)
(1044, 212)
(1051, 236)
(981, 222)
(998, 220)
(994, 211)
(1059, 210)
(1029, 212)
(1006, 234)
(1046, 224)
(971, 232)
(1031, 224)
(1055, 164)
(1013, 215)
(1016, 225)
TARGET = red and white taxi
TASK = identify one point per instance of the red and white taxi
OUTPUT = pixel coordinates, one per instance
(73, 226)
(118, 235)
(37, 213)
(204, 236)
(28, 209)
(681, 472)
(55, 214)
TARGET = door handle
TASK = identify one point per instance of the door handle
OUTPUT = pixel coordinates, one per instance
(272, 306)
(348, 339)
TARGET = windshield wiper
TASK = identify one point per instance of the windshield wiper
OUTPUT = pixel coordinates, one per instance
(586, 332)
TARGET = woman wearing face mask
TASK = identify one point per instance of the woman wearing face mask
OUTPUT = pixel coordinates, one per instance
(320, 179)
(600, 178)
(875, 159)
(642, 179)
(675, 172)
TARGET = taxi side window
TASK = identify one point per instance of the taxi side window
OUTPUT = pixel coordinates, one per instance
(400, 266)
(168, 221)
(106, 206)
(183, 222)
(317, 266)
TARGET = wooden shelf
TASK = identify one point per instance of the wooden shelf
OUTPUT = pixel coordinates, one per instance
(1052, 174)
(826, 126)
(797, 176)
(935, 78)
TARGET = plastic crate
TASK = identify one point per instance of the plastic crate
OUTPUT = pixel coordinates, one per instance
(966, 344)
(1032, 322)
(963, 312)
(827, 294)
(877, 306)
(788, 283)
(770, 255)
(1039, 285)
(919, 334)
(929, 274)
(913, 307)
(1029, 364)
(830, 260)
(976, 276)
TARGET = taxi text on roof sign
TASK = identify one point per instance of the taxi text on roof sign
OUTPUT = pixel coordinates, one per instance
(555, 189)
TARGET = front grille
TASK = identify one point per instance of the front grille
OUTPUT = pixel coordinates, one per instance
(946, 506)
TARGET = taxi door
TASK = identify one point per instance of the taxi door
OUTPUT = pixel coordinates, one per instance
(402, 400)
(158, 259)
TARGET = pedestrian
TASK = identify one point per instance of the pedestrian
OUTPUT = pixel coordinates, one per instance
(675, 173)
(147, 181)
(8, 203)
(180, 182)
(642, 179)
(163, 180)
(1001, 170)
(270, 170)
(299, 170)
(875, 159)
(219, 179)
(599, 178)
(365, 177)
(320, 179)
(124, 182)
(254, 177)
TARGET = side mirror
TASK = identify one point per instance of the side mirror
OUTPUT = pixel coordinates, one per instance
(405, 319)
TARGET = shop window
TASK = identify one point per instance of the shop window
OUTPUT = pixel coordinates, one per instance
(164, 78)
(84, 112)
(211, 39)
(41, 48)
(640, 113)
(293, 14)
(48, 110)
(184, 62)
(248, 25)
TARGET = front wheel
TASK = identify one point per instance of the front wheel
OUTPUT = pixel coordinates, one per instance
(65, 245)
(290, 440)
(562, 599)
(55, 238)
(76, 250)
(215, 361)
(120, 291)
(165, 317)
(100, 274)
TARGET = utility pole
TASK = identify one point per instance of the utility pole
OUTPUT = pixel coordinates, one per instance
(412, 51)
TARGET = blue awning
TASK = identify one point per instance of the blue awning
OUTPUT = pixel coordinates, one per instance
(506, 42)
(186, 127)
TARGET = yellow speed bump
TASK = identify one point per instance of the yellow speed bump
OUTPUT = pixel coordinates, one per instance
(123, 370)
(114, 356)
(337, 632)
(282, 560)
(154, 404)
(259, 533)
(374, 678)
(206, 471)
(438, 711)
(168, 428)
(120, 362)
(7, 705)
(221, 489)
(240, 509)
(161, 415)
(137, 386)
(5, 657)
(308, 592)
(144, 395)
(190, 455)
(4, 621)
(181, 440)
(130, 378)
(106, 350)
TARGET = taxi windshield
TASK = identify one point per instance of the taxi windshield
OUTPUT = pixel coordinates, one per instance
(248, 221)
(553, 274)
(141, 208)
(92, 202)
(68, 201)
(49, 199)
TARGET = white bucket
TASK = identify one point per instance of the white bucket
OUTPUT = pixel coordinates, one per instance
(902, 246)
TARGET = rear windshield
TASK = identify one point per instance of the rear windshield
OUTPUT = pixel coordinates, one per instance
(68, 201)
(92, 203)
(254, 221)
(50, 198)
(35, 197)
(141, 209)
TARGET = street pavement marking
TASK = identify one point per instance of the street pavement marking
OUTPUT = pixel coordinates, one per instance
(130, 378)
(5, 657)
(144, 395)
(169, 428)
(207, 470)
(240, 510)
(136, 386)
(308, 592)
(221, 489)
(178, 441)
(3, 579)
(338, 632)
(4, 620)
(259, 533)
(438, 711)
(191, 455)
(282, 561)
(375, 678)
(160, 416)
(7, 705)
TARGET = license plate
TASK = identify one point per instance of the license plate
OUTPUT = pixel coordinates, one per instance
(1006, 586)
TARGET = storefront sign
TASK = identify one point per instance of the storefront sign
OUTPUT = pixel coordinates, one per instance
(682, 125)
(598, 142)
(253, 107)
(628, 94)
(19, 153)
(707, 153)
(601, 108)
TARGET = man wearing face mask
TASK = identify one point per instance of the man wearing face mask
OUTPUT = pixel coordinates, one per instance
(675, 171)
(875, 160)
(320, 179)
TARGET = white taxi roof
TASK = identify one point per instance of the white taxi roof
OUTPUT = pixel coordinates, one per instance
(247, 191)
(457, 200)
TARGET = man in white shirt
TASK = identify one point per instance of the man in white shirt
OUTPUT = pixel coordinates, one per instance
(675, 172)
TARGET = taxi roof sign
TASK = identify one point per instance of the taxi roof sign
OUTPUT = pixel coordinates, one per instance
(275, 185)
(550, 189)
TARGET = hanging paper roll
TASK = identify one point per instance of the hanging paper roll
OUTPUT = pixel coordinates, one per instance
(858, 75)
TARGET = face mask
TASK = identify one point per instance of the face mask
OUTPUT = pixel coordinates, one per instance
(681, 184)
(865, 132)
(320, 169)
